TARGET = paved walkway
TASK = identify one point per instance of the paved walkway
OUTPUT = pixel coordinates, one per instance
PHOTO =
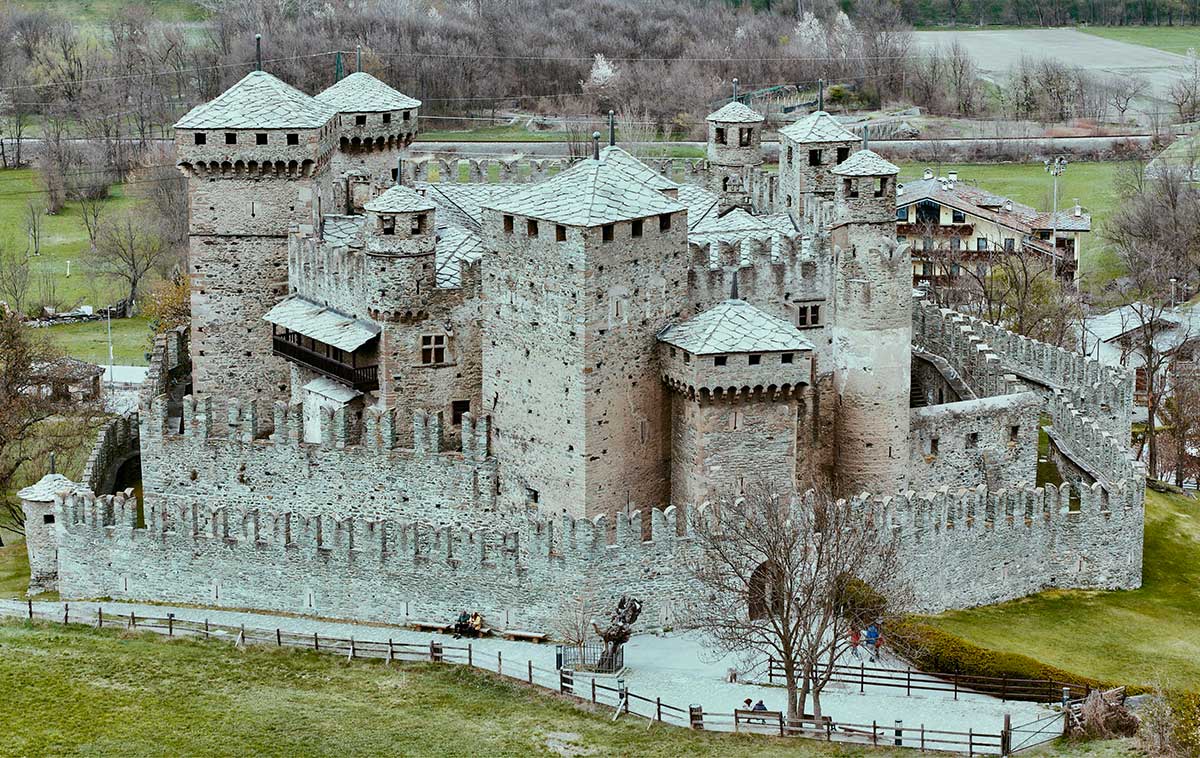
(676, 667)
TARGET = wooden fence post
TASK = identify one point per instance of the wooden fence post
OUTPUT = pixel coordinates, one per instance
(99, 618)
(922, 738)
(593, 685)
(316, 642)
(862, 677)
(1006, 736)
(351, 656)
(132, 621)
(500, 662)
(970, 742)
(695, 717)
(170, 624)
(205, 628)
(531, 671)
(657, 708)
(66, 612)
(30, 603)
(391, 654)
(470, 657)
(899, 733)
(908, 682)
(278, 638)
(874, 733)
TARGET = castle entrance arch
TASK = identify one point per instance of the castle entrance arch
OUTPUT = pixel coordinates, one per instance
(765, 591)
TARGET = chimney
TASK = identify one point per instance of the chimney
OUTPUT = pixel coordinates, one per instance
(1078, 211)
(1008, 206)
(596, 145)
(952, 176)
(928, 174)
(258, 52)
(612, 127)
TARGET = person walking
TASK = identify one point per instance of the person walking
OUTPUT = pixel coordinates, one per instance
(873, 640)
(856, 643)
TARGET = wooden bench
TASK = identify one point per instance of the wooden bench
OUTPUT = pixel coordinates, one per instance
(445, 628)
(772, 719)
(517, 634)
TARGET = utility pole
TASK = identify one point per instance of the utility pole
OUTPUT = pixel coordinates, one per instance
(1055, 168)
(110, 350)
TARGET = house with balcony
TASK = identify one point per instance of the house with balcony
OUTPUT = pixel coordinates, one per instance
(952, 223)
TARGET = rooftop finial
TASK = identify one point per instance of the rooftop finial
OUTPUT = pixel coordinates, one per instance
(735, 88)
(596, 145)
(733, 292)
(612, 127)
(820, 94)
(338, 71)
(258, 52)
(399, 171)
(866, 135)
(357, 58)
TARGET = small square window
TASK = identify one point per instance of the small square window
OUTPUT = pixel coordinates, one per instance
(407, 115)
(293, 139)
(260, 138)
(201, 138)
(531, 228)
(902, 213)
(972, 440)
(508, 224)
(814, 157)
(635, 229)
(787, 358)
(457, 409)
(720, 360)
(387, 225)
(664, 222)
(48, 518)
(958, 217)
(230, 138)
(560, 233)
(850, 186)
(387, 118)
(842, 154)
(755, 360)
(360, 120)
(433, 349)
(418, 224)
(606, 232)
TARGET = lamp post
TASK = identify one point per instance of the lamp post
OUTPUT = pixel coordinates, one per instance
(1055, 168)
(1173, 282)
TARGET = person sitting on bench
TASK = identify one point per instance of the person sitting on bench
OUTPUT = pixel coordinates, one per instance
(476, 624)
(463, 625)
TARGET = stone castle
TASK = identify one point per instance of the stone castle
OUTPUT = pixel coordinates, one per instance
(415, 383)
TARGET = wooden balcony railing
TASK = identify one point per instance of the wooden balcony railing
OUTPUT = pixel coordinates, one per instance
(361, 378)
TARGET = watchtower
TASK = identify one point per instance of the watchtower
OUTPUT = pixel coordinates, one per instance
(734, 148)
(809, 151)
(871, 329)
(257, 160)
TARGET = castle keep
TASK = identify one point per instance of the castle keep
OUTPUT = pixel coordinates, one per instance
(403, 394)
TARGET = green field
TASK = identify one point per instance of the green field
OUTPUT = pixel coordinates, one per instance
(1138, 637)
(89, 341)
(99, 11)
(82, 691)
(1092, 183)
(1172, 39)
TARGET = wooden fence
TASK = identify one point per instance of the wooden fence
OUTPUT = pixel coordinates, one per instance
(619, 697)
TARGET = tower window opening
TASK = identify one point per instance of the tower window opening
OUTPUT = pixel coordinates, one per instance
(850, 187)
(293, 139)
(360, 120)
(814, 157)
(720, 135)
(457, 409)
(418, 224)
(664, 222)
(789, 154)
(260, 138)
(230, 138)
(387, 225)
(720, 360)
(606, 232)
(636, 228)
(842, 154)
(508, 224)
(933, 445)
(736, 420)
(1014, 433)
(787, 358)
(201, 138)
(531, 228)
(407, 115)
(745, 137)
(755, 360)
(881, 188)
(387, 118)
(972, 440)
(560, 233)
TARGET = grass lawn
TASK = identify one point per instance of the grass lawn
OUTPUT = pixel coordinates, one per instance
(1138, 636)
(84, 691)
(99, 11)
(64, 238)
(1092, 183)
(88, 340)
(1172, 39)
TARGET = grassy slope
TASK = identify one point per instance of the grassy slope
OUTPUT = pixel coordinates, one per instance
(1172, 39)
(1028, 183)
(99, 11)
(89, 341)
(147, 696)
(1138, 636)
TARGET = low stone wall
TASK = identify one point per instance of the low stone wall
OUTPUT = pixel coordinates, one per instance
(117, 440)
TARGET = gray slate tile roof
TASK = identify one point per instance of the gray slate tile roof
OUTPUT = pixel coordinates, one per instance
(362, 93)
(462, 203)
(46, 488)
(866, 163)
(321, 323)
(735, 112)
(259, 101)
(591, 193)
(399, 199)
(638, 170)
(734, 326)
(342, 231)
(817, 127)
(456, 246)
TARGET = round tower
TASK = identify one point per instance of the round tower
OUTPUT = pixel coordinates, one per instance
(871, 329)
(734, 149)
(400, 235)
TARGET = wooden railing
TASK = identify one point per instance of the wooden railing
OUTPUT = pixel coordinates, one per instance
(361, 378)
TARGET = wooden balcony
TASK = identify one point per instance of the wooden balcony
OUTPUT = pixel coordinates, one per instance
(918, 229)
(362, 378)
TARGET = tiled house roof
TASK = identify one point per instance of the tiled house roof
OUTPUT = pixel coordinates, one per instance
(734, 326)
(817, 127)
(735, 112)
(362, 93)
(866, 163)
(399, 199)
(259, 101)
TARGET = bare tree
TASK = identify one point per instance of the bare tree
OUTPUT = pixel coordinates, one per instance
(14, 278)
(789, 577)
(1181, 415)
(34, 210)
(1121, 91)
(128, 248)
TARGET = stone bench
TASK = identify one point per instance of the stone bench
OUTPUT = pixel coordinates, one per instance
(517, 634)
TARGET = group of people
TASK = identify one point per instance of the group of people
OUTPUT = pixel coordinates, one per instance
(468, 625)
(874, 640)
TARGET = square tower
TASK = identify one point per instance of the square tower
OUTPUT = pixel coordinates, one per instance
(734, 149)
(809, 151)
(588, 267)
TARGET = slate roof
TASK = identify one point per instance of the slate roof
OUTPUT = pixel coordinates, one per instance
(637, 170)
(258, 101)
(979, 202)
(462, 203)
(342, 231)
(65, 369)
(866, 163)
(1067, 221)
(399, 199)
(456, 246)
(591, 193)
(734, 326)
(735, 112)
(46, 488)
(818, 126)
(362, 93)
(321, 323)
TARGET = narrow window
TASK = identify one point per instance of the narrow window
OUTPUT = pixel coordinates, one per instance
(293, 139)
(842, 154)
(260, 138)
(418, 224)
(801, 315)
(745, 136)
(664, 222)
(687, 357)
(407, 115)
(360, 120)
(1014, 433)
(457, 409)
(387, 224)
(201, 138)
(786, 358)
(560, 233)
(789, 154)
(433, 349)
(955, 244)
(531, 495)
(635, 228)
(736, 420)
(814, 157)
(851, 188)
(508, 224)
(606, 232)
(755, 360)
(972, 440)
(1009, 244)
(720, 138)
(933, 445)
(719, 360)
(882, 188)
(981, 244)
(387, 118)
(531, 228)
(230, 138)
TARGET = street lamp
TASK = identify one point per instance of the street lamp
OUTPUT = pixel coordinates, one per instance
(1173, 281)
(1055, 168)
